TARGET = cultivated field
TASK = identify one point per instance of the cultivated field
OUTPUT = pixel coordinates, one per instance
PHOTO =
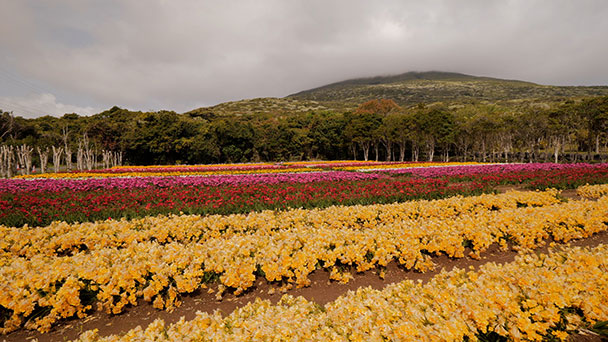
(276, 247)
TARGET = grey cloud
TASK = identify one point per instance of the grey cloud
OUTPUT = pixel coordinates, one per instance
(182, 54)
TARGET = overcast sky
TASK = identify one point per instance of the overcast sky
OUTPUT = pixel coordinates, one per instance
(85, 56)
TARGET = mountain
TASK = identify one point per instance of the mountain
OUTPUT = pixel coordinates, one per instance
(415, 87)
(405, 89)
(265, 105)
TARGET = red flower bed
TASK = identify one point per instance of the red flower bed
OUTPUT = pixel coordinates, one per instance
(563, 178)
(40, 208)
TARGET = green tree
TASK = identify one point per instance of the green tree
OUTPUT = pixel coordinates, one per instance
(360, 130)
(437, 128)
(379, 109)
(400, 128)
(326, 133)
(235, 140)
(595, 112)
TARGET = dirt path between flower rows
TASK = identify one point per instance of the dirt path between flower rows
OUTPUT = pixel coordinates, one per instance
(321, 290)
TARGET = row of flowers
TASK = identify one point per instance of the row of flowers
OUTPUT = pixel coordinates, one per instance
(493, 169)
(404, 166)
(536, 297)
(533, 176)
(248, 166)
(62, 238)
(227, 165)
(39, 202)
(163, 173)
(352, 163)
(423, 169)
(232, 169)
(41, 289)
(261, 167)
(38, 208)
(593, 191)
(54, 185)
(104, 179)
(561, 178)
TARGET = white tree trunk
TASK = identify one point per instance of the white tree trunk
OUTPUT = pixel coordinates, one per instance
(44, 158)
(24, 156)
(557, 147)
(365, 148)
(57, 152)
(431, 150)
(7, 161)
(402, 151)
(67, 150)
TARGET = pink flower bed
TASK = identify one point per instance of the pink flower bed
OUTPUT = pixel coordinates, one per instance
(18, 185)
(466, 170)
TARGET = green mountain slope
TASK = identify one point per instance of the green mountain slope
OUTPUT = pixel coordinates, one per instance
(415, 87)
(265, 105)
(406, 89)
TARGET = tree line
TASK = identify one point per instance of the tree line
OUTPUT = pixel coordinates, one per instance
(568, 131)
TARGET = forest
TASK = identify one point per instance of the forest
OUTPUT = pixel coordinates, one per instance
(566, 130)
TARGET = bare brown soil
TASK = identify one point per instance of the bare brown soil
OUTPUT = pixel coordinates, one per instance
(322, 291)
(586, 337)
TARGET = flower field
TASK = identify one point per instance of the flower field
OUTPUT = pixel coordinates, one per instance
(71, 245)
(38, 208)
(534, 176)
(66, 197)
(534, 298)
(593, 191)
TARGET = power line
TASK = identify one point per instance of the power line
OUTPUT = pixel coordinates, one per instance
(23, 108)
(14, 80)
(21, 82)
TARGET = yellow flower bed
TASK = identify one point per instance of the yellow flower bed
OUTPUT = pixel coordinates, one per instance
(592, 191)
(158, 271)
(164, 174)
(535, 297)
(61, 238)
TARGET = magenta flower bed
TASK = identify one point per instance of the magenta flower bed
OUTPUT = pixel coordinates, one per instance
(496, 170)
(53, 185)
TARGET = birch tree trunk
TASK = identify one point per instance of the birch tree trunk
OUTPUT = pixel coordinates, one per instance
(67, 149)
(57, 152)
(7, 161)
(401, 151)
(365, 146)
(44, 158)
(556, 146)
(24, 156)
(431, 149)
